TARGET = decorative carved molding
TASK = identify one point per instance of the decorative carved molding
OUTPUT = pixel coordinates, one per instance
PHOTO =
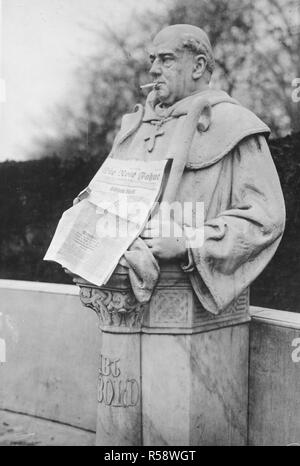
(169, 306)
(240, 307)
(172, 310)
(115, 309)
(241, 304)
(178, 311)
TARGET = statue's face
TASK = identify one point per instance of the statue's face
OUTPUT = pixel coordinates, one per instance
(172, 68)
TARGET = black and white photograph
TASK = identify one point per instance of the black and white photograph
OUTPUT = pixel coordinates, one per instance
(150, 225)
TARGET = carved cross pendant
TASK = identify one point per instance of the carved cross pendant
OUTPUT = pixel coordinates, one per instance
(157, 131)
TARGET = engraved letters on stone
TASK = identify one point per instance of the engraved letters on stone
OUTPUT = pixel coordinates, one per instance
(113, 389)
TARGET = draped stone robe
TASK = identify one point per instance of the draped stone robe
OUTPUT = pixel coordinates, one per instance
(230, 170)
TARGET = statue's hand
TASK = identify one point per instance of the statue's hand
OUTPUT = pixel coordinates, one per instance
(167, 249)
(76, 279)
(82, 195)
(165, 239)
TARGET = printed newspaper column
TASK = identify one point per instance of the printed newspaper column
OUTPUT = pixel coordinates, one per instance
(93, 235)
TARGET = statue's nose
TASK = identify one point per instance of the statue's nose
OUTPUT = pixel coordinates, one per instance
(155, 69)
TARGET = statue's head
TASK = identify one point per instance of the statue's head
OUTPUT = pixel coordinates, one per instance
(182, 62)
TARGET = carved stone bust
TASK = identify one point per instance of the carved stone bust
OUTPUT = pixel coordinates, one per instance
(222, 167)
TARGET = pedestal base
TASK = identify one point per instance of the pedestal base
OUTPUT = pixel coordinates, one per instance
(119, 391)
(170, 372)
(195, 388)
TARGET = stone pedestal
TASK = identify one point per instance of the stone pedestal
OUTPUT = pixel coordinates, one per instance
(170, 372)
(119, 379)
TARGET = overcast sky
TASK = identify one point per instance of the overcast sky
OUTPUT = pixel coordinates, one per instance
(42, 41)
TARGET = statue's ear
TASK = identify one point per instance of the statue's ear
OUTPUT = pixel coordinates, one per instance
(204, 119)
(199, 66)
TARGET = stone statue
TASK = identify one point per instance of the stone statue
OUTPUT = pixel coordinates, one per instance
(195, 324)
(228, 168)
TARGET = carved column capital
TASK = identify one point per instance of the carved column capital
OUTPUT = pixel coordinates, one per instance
(118, 310)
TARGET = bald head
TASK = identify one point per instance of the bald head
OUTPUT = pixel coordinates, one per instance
(189, 37)
(182, 62)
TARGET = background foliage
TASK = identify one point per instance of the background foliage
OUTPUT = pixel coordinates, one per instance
(256, 45)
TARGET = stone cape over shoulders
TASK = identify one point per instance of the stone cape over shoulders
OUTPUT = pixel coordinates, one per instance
(229, 124)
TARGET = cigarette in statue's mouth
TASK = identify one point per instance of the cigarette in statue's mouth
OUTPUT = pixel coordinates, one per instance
(146, 86)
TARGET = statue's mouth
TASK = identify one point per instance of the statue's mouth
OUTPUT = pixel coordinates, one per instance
(155, 85)
(158, 84)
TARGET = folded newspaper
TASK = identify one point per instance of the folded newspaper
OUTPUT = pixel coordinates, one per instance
(93, 235)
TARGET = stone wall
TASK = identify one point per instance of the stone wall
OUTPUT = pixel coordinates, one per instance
(274, 378)
(51, 347)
